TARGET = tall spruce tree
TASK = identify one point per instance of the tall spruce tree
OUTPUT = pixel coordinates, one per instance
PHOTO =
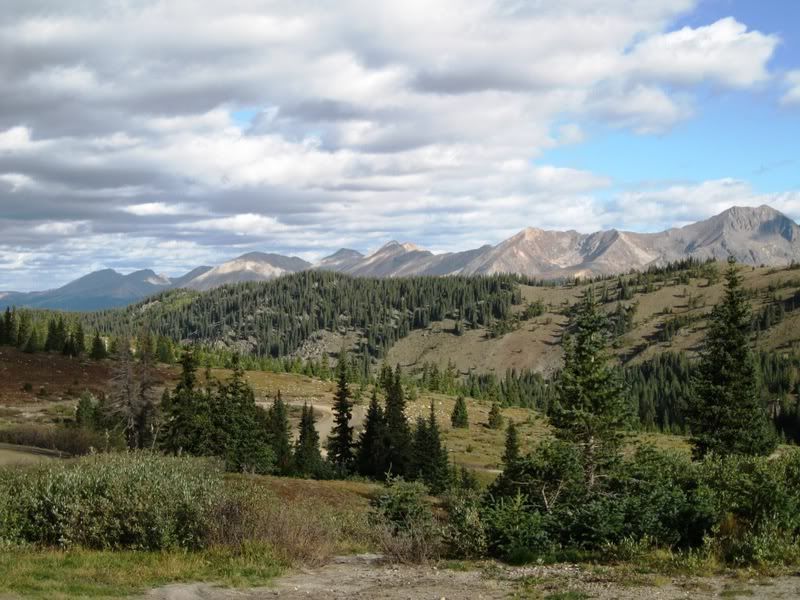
(307, 456)
(340, 441)
(429, 456)
(511, 453)
(397, 431)
(591, 410)
(190, 423)
(371, 458)
(279, 435)
(459, 418)
(98, 351)
(725, 413)
(244, 441)
(495, 417)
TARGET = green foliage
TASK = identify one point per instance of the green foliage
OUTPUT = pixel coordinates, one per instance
(511, 452)
(459, 418)
(98, 351)
(189, 426)
(242, 440)
(517, 531)
(405, 514)
(755, 503)
(278, 435)
(307, 457)
(591, 408)
(429, 457)
(128, 501)
(464, 535)
(280, 315)
(371, 453)
(495, 417)
(340, 441)
(725, 413)
(396, 430)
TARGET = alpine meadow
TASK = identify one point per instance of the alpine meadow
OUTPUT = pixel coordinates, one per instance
(576, 375)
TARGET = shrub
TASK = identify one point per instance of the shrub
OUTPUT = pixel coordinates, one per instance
(70, 440)
(662, 499)
(465, 534)
(756, 507)
(517, 531)
(409, 532)
(250, 515)
(135, 501)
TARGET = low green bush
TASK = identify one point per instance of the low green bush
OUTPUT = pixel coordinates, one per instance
(756, 508)
(74, 441)
(740, 510)
(139, 501)
(405, 520)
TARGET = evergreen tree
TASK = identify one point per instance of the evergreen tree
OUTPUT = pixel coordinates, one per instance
(511, 453)
(340, 441)
(371, 457)
(279, 435)
(459, 418)
(98, 351)
(8, 328)
(190, 424)
(429, 456)
(591, 409)
(307, 457)
(243, 442)
(725, 412)
(397, 431)
(495, 417)
(79, 337)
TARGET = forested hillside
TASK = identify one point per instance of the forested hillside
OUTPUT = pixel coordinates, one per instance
(274, 318)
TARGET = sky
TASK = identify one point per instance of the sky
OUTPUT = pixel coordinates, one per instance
(167, 134)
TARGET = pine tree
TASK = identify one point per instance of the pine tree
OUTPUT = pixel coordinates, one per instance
(79, 337)
(429, 456)
(243, 442)
(340, 441)
(591, 409)
(397, 431)
(98, 351)
(279, 435)
(725, 413)
(511, 453)
(371, 457)
(495, 417)
(459, 418)
(190, 424)
(307, 457)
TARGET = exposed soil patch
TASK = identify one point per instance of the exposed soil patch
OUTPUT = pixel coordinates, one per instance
(362, 578)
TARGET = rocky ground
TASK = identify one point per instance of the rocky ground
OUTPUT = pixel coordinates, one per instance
(364, 578)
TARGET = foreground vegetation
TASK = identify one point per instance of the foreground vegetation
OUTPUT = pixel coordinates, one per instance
(575, 495)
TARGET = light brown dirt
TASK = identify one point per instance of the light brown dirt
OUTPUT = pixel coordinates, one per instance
(361, 579)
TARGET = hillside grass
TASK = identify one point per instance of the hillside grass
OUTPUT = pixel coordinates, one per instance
(266, 526)
(48, 574)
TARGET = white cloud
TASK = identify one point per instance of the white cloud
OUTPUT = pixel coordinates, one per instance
(660, 208)
(724, 52)
(792, 95)
(420, 120)
(152, 209)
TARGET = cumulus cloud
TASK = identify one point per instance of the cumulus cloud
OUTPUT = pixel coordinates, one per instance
(130, 125)
(660, 208)
(792, 95)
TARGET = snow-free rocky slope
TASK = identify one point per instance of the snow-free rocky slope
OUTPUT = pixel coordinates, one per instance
(754, 235)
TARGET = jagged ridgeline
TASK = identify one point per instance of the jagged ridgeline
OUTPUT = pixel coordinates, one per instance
(273, 318)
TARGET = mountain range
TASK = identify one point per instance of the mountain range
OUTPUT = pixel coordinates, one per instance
(753, 235)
